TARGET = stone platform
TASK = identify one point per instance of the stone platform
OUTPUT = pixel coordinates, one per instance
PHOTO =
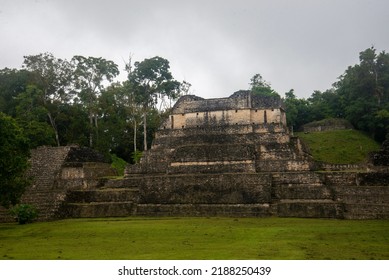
(309, 194)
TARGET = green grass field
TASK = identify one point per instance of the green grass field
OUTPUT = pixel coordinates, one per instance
(196, 239)
(339, 146)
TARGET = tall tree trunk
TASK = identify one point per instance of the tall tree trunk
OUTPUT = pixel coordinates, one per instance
(53, 125)
(97, 128)
(90, 130)
(145, 130)
(135, 136)
(51, 119)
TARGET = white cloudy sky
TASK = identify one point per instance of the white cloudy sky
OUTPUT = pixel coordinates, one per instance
(215, 45)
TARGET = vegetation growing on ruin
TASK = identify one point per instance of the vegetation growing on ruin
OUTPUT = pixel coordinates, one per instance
(196, 238)
(339, 146)
(118, 164)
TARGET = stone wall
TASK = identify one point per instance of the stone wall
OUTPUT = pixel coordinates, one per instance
(327, 125)
(55, 171)
(241, 108)
(224, 117)
(307, 194)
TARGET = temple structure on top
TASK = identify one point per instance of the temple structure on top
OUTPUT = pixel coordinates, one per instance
(241, 133)
(241, 108)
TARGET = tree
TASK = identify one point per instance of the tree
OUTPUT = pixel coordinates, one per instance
(133, 111)
(14, 152)
(89, 76)
(259, 86)
(12, 82)
(327, 104)
(297, 112)
(53, 77)
(31, 116)
(150, 81)
(364, 90)
(115, 122)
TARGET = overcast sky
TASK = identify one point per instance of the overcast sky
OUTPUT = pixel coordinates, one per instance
(215, 45)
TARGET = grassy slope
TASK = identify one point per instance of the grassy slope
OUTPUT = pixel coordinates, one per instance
(339, 146)
(196, 238)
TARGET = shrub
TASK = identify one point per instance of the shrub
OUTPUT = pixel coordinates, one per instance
(24, 213)
(119, 164)
(136, 156)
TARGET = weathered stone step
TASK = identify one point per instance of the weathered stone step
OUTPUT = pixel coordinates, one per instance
(99, 209)
(204, 210)
(132, 182)
(362, 194)
(302, 178)
(306, 201)
(102, 195)
(300, 191)
(320, 208)
(366, 211)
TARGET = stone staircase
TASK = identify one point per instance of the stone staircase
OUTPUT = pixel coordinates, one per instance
(44, 194)
(364, 195)
(98, 203)
(199, 194)
(304, 194)
(54, 172)
(287, 194)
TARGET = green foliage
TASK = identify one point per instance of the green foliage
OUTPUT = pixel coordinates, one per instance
(12, 82)
(89, 75)
(52, 80)
(364, 90)
(323, 105)
(118, 163)
(24, 213)
(382, 117)
(136, 156)
(197, 239)
(361, 95)
(57, 102)
(297, 110)
(339, 146)
(259, 86)
(31, 115)
(14, 153)
(150, 81)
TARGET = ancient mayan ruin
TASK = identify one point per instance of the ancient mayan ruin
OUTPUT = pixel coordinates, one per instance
(214, 157)
(242, 133)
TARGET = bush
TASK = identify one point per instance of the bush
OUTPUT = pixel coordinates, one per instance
(24, 213)
(136, 156)
(118, 163)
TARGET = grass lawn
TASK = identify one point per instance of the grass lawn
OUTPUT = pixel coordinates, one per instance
(196, 239)
(339, 146)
